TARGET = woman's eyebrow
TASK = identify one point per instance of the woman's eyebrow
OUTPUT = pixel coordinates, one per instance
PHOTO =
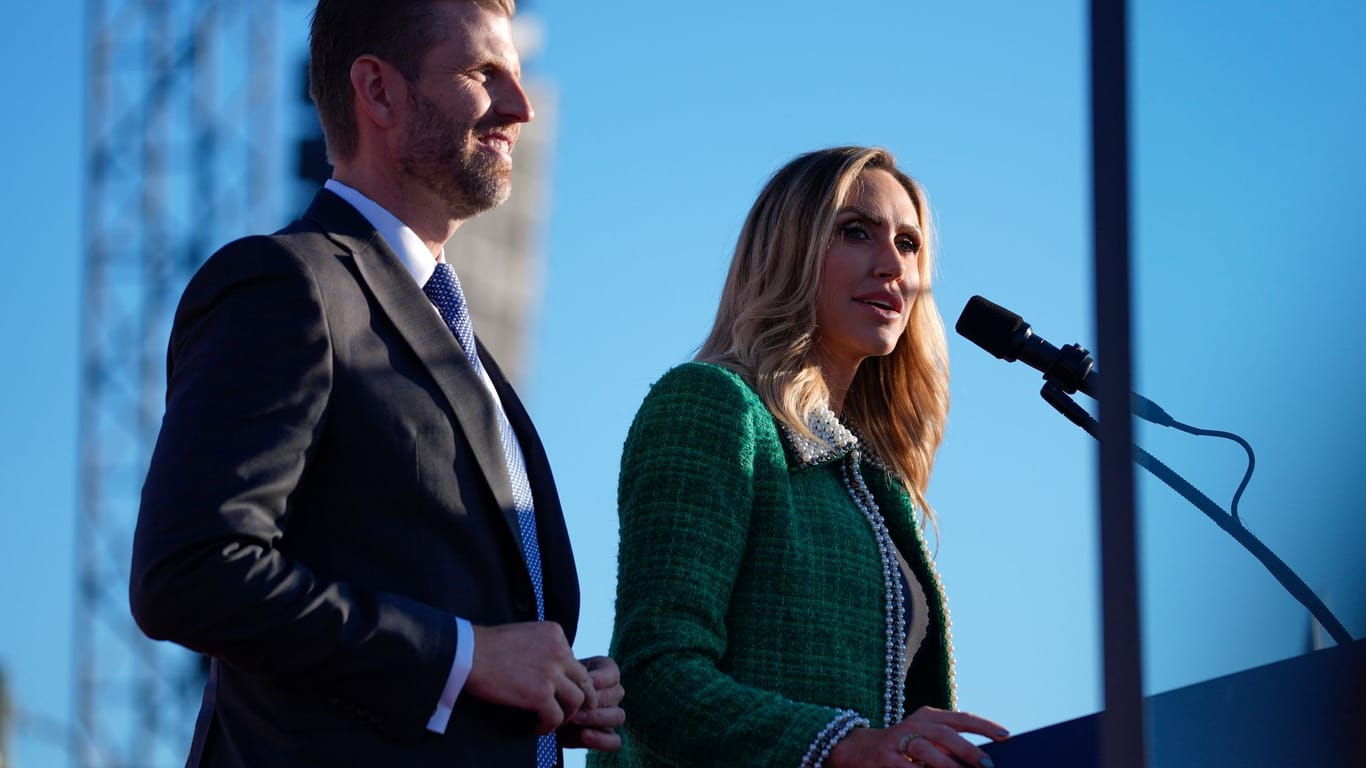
(862, 213)
(876, 220)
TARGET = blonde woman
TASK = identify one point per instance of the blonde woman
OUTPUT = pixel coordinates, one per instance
(776, 602)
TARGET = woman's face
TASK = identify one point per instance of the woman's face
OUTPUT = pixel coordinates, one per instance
(870, 276)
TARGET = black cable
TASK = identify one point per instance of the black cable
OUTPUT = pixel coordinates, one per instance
(1251, 458)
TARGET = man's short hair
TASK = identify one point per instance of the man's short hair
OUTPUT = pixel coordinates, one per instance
(397, 31)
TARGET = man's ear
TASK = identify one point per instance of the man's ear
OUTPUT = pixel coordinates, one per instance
(380, 91)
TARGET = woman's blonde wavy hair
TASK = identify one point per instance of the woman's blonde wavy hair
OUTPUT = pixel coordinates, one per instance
(766, 323)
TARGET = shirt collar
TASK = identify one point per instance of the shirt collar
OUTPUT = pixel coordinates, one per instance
(411, 251)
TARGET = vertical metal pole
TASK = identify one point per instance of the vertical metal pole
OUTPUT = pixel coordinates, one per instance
(84, 730)
(148, 690)
(1122, 724)
(263, 200)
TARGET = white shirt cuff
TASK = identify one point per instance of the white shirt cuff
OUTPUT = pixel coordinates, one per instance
(460, 672)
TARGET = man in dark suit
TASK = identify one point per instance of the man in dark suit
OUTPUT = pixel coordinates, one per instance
(348, 508)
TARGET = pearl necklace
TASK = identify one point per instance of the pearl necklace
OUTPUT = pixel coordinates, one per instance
(894, 690)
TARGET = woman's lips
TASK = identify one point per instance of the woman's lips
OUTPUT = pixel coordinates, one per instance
(884, 301)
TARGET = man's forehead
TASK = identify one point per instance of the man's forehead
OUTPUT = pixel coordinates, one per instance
(473, 32)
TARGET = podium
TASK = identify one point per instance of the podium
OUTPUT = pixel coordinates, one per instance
(1301, 712)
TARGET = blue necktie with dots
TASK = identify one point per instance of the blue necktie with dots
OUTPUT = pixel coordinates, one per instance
(443, 288)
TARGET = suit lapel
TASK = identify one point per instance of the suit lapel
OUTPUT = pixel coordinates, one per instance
(411, 313)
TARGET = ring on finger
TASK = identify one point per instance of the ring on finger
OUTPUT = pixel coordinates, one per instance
(905, 745)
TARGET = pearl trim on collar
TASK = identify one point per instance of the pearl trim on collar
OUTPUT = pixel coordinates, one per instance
(832, 438)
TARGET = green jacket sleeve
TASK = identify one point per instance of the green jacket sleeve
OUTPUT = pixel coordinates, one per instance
(688, 479)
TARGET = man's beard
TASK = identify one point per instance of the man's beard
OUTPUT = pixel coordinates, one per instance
(442, 157)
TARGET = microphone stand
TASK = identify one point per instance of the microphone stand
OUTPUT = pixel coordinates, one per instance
(1057, 397)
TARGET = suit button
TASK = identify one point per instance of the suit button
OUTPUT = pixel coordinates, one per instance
(522, 606)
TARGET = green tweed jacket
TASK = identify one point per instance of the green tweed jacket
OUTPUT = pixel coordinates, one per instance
(752, 615)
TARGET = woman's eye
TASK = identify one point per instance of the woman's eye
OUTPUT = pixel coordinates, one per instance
(908, 245)
(854, 231)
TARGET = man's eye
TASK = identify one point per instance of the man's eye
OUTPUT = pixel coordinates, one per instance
(481, 74)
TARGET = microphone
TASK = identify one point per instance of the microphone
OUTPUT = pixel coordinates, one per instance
(1008, 337)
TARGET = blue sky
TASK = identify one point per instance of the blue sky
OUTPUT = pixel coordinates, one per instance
(1247, 161)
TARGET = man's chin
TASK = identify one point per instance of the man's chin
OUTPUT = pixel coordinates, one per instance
(475, 199)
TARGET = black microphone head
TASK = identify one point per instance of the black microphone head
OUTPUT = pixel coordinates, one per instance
(991, 327)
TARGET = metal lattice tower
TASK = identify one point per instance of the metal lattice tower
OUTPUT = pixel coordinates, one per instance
(180, 141)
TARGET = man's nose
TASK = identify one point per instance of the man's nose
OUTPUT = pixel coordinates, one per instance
(513, 103)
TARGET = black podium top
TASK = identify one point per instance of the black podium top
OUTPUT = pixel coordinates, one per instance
(1305, 711)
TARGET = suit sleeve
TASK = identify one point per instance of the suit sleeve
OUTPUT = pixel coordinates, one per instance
(248, 379)
(686, 492)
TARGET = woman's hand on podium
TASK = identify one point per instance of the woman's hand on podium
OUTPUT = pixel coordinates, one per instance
(930, 737)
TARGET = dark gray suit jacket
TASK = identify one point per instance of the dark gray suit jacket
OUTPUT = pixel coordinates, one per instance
(327, 493)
